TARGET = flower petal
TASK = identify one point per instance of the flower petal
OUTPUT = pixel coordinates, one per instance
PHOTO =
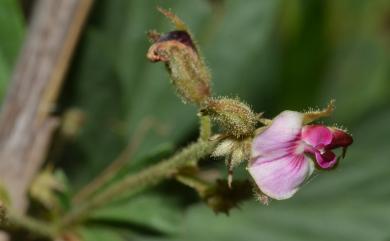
(278, 139)
(340, 139)
(281, 178)
(317, 135)
(326, 160)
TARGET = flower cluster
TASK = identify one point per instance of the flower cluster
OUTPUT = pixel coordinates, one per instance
(282, 153)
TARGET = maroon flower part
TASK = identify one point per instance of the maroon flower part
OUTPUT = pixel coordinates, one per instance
(187, 70)
(285, 154)
(164, 43)
(320, 142)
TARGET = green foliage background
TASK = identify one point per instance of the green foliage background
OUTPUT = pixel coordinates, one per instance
(276, 55)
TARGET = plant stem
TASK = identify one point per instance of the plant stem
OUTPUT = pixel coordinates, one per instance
(146, 178)
(193, 182)
(116, 165)
(35, 226)
(205, 127)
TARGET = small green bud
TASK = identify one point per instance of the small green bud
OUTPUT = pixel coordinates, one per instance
(44, 187)
(186, 68)
(235, 117)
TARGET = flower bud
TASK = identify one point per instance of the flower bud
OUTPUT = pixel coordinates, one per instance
(235, 117)
(186, 68)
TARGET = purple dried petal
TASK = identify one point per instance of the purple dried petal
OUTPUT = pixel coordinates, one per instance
(180, 36)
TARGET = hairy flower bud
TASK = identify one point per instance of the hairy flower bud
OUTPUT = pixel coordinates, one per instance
(235, 117)
(186, 68)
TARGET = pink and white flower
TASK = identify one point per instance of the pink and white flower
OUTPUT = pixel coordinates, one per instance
(286, 153)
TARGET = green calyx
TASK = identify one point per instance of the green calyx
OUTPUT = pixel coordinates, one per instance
(236, 118)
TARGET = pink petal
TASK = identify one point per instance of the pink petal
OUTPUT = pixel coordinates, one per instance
(326, 160)
(278, 164)
(280, 137)
(281, 178)
(317, 135)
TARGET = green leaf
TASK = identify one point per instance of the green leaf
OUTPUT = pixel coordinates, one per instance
(11, 35)
(358, 71)
(148, 211)
(94, 233)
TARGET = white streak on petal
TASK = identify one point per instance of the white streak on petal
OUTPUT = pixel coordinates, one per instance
(281, 178)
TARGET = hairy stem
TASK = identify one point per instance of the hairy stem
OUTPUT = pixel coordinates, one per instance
(33, 225)
(146, 178)
(116, 165)
(205, 127)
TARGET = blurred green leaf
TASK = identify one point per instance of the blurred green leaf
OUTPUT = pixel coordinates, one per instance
(44, 187)
(358, 72)
(304, 50)
(64, 197)
(95, 233)
(11, 35)
(242, 51)
(152, 212)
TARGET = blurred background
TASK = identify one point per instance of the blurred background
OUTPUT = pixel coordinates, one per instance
(275, 55)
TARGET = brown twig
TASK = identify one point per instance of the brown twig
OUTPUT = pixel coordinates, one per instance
(26, 120)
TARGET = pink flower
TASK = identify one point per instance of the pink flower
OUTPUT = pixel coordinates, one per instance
(285, 154)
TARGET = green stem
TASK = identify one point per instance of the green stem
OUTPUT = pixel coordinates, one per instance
(35, 226)
(146, 178)
(193, 182)
(116, 165)
(205, 127)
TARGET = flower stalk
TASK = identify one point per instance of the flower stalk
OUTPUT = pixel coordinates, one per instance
(205, 127)
(116, 165)
(33, 225)
(139, 181)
